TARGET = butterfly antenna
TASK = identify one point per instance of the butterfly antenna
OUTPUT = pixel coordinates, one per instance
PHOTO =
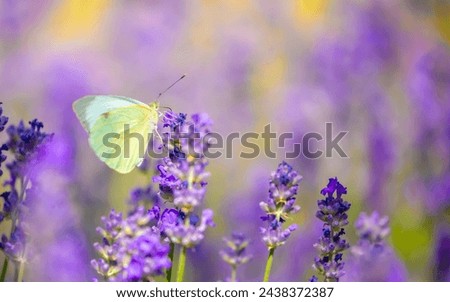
(166, 107)
(161, 93)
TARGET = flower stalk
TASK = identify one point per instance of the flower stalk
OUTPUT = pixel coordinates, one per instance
(171, 254)
(235, 253)
(181, 264)
(4, 270)
(268, 265)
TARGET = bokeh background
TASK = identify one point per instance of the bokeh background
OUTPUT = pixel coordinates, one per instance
(377, 69)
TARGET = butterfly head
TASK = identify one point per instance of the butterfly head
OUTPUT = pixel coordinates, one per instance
(154, 105)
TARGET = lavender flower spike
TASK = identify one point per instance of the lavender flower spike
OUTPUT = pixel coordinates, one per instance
(372, 258)
(3, 119)
(182, 177)
(131, 249)
(182, 180)
(4, 147)
(189, 231)
(24, 144)
(372, 228)
(234, 254)
(283, 187)
(332, 211)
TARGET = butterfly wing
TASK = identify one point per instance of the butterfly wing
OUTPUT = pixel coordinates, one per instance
(119, 129)
(90, 108)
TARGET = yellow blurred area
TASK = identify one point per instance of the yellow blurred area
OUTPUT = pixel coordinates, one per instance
(307, 12)
(77, 19)
(268, 76)
(442, 18)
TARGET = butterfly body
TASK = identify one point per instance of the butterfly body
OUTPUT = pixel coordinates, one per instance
(119, 128)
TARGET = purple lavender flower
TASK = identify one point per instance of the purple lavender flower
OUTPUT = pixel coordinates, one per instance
(174, 121)
(170, 218)
(234, 254)
(190, 231)
(131, 248)
(332, 211)
(143, 196)
(372, 228)
(14, 246)
(182, 176)
(166, 181)
(283, 186)
(24, 143)
(3, 147)
(372, 259)
(107, 266)
(182, 180)
(3, 119)
(313, 279)
(280, 205)
(275, 237)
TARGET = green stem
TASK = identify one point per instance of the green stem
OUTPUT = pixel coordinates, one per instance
(268, 265)
(181, 264)
(169, 272)
(4, 270)
(233, 274)
(20, 271)
(19, 266)
(182, 256)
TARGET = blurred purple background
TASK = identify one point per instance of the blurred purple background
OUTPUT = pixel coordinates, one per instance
(377, 69)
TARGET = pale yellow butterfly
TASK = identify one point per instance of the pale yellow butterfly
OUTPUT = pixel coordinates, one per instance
(119, 128)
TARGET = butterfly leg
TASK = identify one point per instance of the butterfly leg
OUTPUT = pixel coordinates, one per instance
(159, 136)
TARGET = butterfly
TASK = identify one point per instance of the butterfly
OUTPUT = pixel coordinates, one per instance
(119, 128)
